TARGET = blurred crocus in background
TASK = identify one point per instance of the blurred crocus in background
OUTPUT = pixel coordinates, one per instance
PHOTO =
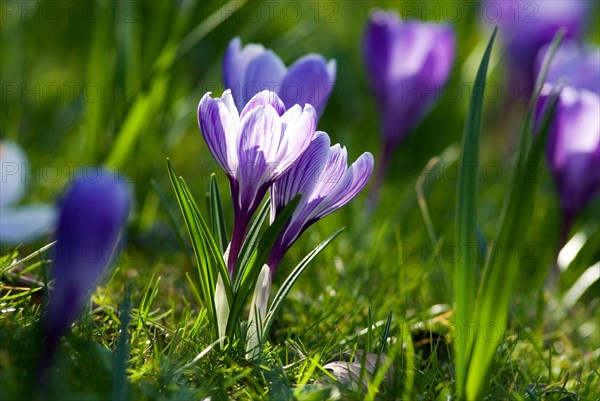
(255, 148)
(251, 69)
(573, 65)
(21, 223)
(526, 26)
(408, 64)
(573, 149)
(92, 215)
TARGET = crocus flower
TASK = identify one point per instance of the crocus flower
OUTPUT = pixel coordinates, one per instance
(326, 183)
(408, 64)
(573, 150)
(573, 65)
(251, 69)
(26, 222)
(526, 26)
(92, 214)
(255, 148)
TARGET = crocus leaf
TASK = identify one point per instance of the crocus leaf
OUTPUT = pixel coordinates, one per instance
(466, 220)
(248, 251)
(208, 258)
(291, 279)
(501, 268)
(217, 219)
(249, 273)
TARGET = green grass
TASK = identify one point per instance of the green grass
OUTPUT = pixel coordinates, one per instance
(146, 334)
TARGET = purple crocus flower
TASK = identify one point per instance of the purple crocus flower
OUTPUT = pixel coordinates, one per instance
(526, 26)
(408, 64)
(91, 217)
(574, 66)
(251, 69)
(326, 183)
(573, 150)
(255, 148)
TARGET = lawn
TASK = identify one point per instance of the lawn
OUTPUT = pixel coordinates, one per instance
(467, 267)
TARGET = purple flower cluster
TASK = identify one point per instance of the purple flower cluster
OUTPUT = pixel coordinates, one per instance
(272, 143)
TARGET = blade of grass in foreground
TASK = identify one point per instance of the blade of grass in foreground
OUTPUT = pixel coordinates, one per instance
(502, 264)
(466, 223)
(208, 258)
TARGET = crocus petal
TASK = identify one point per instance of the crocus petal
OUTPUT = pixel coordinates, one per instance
(527, 26)
(261, 134)
(573, 66)
(91, 216)
(408, 65)
(299, 129)
(573, 150)
(235, 64)
(13, 165)
(219, 123)
(264, 98)
(26, 223)
(377, 45)
(251, 69)
(353, 181)
(302, 176)
(263, 73)
(309, 80)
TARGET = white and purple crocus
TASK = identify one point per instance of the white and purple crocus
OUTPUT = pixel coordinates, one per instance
(92, 215)
(251, 69)
(268, 147)
(255, 148)
(408, 64)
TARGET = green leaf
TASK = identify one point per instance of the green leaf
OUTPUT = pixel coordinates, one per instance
(217, 218)
(249, 273)
(290, 280)
(503, 262)
(209, 260)
(466, 220)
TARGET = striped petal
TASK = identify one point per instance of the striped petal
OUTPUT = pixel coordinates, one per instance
(219, 123)
(259, 142)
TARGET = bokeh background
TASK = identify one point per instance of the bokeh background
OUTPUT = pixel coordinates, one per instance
(118, 83)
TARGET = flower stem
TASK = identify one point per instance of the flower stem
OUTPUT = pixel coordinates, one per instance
(382, 168)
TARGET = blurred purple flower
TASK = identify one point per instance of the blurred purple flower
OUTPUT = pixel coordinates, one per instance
(574, 66)
(251, 69)
(526, 26)
(573, 150)
(326, 183)
(24, 222)
(92, 215)
(254, 148)
(408, 64)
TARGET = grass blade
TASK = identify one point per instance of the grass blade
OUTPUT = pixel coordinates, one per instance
(208, 258)
(466, 221)
(503, 264)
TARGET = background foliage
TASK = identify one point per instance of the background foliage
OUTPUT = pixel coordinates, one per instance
(119, 82)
